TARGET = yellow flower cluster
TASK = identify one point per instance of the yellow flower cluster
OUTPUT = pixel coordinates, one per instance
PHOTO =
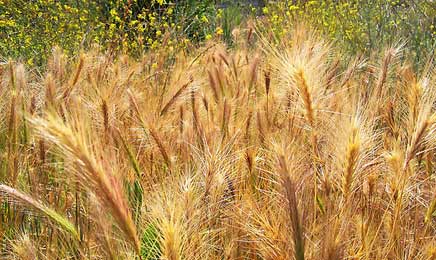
(30, 31)
(359, 25)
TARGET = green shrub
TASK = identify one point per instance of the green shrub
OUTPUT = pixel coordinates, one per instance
(362, 25)
(31, 28)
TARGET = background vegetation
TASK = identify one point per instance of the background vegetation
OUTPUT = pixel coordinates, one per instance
(30, 29)
(366, 26)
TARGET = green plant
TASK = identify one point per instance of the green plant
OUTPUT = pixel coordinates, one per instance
(362, 26)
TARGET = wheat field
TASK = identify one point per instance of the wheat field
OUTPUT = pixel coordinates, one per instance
(264, 150)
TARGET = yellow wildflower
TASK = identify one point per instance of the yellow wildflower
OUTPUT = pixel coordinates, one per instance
(204, 19)
(219, 31)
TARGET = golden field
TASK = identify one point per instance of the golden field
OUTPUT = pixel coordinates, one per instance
(265, 150)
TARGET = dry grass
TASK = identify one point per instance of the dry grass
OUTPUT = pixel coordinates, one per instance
(264, 151)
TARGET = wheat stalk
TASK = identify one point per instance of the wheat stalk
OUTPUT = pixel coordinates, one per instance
(90, 172)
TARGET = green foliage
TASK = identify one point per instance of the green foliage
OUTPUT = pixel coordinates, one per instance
(133, 26)
(362, 25)
(150, 243)
(31, 29)
(232, 17)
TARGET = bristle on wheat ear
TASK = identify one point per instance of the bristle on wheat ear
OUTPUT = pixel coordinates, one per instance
(90, 171)
(295, 223)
